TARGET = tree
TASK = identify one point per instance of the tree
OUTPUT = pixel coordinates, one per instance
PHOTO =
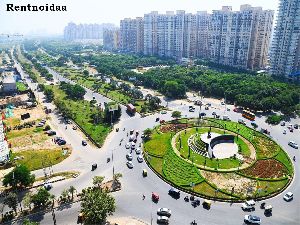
(64, 195)
(11, 200)
(86, 73)
(147, 132)
(20, 176)
(49, 94)
(41, 198)
(27, 200)
(96, 206)
(117, 176)
(97, 180)
(72, 190)
(176, 114)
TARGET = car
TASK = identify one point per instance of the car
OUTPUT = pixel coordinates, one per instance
(84, 143)
(225, 117)
(174, 192)
(129, 164)
(235, 110)
(129, 156)
(127, 145)
(74, 127)
(293, 144)
(206, 108)
(202, 114)
(288, 196)
(43, 121)
(222, 103)
(248, 205)
(253, 124)
(282, 123)
(296, 126)
(61, 142)
(48, 186)
(241, 121)
(155, 197)
(192, 110)
(40, 124)
(196, 202)
(217, 116)
(162, 220)
(138, 151)
(284, 131)
(142, 135)
(214, 113)
(132, 145)
(140, 158)
(164, 212)
(50, 132)
(56, 139)
(252, 219)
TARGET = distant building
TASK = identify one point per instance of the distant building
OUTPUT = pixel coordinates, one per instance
(111, 39)
(9, 84)
(285, 51)
(4, 148)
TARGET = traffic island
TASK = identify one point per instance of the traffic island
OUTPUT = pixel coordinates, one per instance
(246, 163)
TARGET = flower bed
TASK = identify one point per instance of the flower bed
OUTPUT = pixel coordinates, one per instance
(269, 168)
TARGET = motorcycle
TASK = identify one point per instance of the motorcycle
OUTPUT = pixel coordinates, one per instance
(294, 158)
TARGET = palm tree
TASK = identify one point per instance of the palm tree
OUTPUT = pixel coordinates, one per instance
(97, 180)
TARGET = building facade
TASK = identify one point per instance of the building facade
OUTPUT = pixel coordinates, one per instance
(234, 38)
(285, 51)
(111, 39)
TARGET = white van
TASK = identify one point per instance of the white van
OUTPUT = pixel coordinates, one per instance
(248, 205)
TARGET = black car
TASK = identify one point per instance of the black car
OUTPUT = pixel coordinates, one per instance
(202, 114)
(174, 192)
(61, 142)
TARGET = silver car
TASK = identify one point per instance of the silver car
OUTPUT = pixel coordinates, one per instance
(164, 212)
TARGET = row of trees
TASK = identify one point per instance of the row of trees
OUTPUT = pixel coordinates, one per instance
(75, 92)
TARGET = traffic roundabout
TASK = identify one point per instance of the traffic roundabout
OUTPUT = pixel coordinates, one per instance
(219, 160)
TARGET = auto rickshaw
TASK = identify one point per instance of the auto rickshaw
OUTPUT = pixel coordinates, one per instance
(155, 197)
(145, 173)
(268, 209)
(80, 218)
(206, 204)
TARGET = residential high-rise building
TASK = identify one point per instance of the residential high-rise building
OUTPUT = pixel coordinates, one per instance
(241, 38)
(132, 35)
(285, 51)
(235, 38)
(111, 39)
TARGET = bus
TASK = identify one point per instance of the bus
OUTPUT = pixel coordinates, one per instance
(249, 115)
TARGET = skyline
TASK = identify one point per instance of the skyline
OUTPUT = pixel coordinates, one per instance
(53, 23)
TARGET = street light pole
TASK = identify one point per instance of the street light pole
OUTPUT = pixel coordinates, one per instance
(112, 160)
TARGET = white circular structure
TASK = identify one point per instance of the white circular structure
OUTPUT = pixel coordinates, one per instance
(220, 146)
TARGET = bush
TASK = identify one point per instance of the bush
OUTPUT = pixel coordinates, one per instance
(274, 119)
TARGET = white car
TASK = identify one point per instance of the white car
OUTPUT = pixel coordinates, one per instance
(129, 164)
(132, 145)
(163, 219)
(164, 212)
(138, 151)
(252, 219)
(288, 196)
(129, 156)
(248, 205)
(127, 145)
(282, 123)
(293, 144)
(140, 159)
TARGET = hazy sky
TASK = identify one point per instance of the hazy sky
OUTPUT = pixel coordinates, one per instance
(103, 11)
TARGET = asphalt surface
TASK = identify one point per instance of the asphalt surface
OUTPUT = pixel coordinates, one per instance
(129, 199)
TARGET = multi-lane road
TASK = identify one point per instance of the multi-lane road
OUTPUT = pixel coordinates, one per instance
(129, 199)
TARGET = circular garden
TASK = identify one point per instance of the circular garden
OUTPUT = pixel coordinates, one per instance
(177, 153)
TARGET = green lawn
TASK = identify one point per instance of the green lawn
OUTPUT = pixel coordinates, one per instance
(82, 111)
(270, 187)
(283, 158)
(37, 159)
(205, 189)
(21, 86)
(159, 144)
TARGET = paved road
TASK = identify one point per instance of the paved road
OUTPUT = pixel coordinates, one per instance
(129, 199)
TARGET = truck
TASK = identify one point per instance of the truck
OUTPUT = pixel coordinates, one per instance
(130, 109)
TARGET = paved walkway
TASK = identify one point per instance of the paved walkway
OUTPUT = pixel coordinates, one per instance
(243, 166)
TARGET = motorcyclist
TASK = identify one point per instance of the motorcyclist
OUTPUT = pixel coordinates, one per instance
(144, 197)
(66, 127)
(294, 158)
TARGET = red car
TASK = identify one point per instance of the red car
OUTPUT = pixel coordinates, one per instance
(155, 197)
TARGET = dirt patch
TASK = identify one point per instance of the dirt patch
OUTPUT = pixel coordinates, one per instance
(269, 168)
(228, 181)
(126, 221)
(36, 113)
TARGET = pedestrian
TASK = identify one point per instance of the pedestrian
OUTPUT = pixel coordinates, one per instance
(144, 197)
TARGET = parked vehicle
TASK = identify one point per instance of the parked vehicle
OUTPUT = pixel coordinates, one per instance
(196, 202)
(206, 108)
(74, 128)
(288, 196)
(252, 219)
(164, 212)
(206, 204)
(132, 145)
(50, 132)
(248, 205)
(241, 121)
(61, 142)
(127, 145)
(48, 186)
(129, 164)
(130, 109)
(138, 151)
(202, 114)
(268, 209)
(296, 126)
(282, 123)
(293, 144)
(214, 113)
(225, 117)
